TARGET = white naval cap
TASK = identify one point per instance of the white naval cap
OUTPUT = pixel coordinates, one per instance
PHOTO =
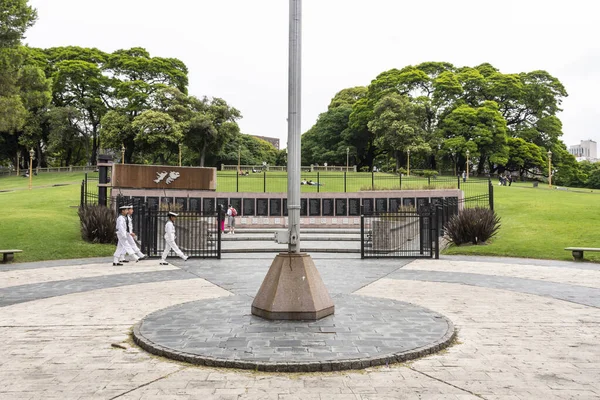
(172, 214)
(123, 207)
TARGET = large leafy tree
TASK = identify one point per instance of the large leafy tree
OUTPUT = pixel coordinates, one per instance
(16, 16)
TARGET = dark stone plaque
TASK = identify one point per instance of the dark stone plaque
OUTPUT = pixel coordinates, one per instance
(249, 207)
(262, 207)
(195, 204)
(395, 204)
(209, 206)
(275, 207)
(222, 201)
(354, 207)
(436, 201)
(138, 201)
(341, 207)
(328, 210)
(152, 203)
(408, 202)
(303, 207)
(422, 202)
(314, 207)
(165, 202)
(368, 206)
(182, 202)
(381, 205)
(235, 203)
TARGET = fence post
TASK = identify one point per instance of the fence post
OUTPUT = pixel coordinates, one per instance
(437, 232)
(345, 186)
(362, 234)
(458, 180)
(264, 181)
(81, 194)
(318, 181)
(491, 194)
(372, 179)
(428, 181)
(237, 182)
(86, 181)
(219, 217)
(400, 176)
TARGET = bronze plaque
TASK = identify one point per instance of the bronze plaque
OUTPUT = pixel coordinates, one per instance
(163, 177)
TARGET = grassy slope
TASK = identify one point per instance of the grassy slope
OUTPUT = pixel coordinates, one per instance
(540, 223)
(536, 223)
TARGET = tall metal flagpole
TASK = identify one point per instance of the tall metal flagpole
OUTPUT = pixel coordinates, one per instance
(293, 288)
(294, 124)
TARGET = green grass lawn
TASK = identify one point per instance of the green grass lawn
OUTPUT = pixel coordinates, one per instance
(541, 222)
(536, 222)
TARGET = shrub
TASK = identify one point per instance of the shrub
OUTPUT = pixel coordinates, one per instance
(97, 224)
(472, 225)
(428, 173)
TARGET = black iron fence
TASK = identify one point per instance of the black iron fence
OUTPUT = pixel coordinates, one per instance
(197, 234)
(409, 233)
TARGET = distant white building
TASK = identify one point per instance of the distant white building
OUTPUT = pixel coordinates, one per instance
(586, 150)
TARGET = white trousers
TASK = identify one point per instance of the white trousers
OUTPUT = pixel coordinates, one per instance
(133, 246)
(170, 244)
(123, 247)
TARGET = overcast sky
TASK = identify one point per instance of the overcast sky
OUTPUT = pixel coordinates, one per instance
(237, 49)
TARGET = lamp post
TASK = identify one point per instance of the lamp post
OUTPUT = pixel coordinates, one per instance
(347, 158)
(180, 154)
(31, 153)
(549, 169)
(408, 163)
(123, 154)
(467, 164)
(454, 161)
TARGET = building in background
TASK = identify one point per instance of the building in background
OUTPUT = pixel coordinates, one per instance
(586, 150)
(273, 141)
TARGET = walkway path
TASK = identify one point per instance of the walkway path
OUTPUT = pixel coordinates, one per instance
(527, 329)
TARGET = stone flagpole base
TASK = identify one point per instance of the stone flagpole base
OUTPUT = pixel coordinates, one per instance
(292, 290)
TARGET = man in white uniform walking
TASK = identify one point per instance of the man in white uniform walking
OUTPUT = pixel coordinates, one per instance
(131, 236)
(170, 240)
(123, 246)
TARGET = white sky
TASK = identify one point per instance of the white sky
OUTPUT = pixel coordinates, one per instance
(237, 49)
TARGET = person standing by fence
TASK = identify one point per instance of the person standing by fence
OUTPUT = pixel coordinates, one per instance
(231, 214)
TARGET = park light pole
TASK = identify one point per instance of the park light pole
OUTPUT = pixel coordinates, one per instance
(408, 163)
(123, 153)
(347, 158)
(454, 161)
(31, 153)
(467, 163)
(180, 154)
(549, 169)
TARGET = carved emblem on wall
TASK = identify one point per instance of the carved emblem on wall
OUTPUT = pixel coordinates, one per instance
(171, 177)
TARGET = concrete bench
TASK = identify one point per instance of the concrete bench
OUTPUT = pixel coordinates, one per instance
(578, 251)
(8, 255)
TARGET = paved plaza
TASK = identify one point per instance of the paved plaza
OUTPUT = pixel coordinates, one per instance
(525, 329)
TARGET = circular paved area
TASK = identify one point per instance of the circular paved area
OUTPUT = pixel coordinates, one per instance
(363, 332)
(526, 329)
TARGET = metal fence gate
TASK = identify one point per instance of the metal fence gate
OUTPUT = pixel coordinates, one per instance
(406, 233)
(197, 234)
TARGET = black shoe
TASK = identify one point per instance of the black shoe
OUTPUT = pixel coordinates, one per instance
(164, 263)
(115, 264)
(124, 261)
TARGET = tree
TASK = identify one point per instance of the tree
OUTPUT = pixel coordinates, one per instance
(157, 135)
(15, 18)
(398, 126)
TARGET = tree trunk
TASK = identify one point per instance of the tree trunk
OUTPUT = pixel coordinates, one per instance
(202, 155)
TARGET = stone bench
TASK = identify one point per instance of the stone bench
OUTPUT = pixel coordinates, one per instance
(8, 255)
(578, 251)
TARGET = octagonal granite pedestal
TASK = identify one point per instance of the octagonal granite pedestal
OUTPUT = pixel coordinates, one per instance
(363, 332)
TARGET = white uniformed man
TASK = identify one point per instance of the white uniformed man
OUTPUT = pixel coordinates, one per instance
(123, 246)
(170, 240)
(131, 236)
